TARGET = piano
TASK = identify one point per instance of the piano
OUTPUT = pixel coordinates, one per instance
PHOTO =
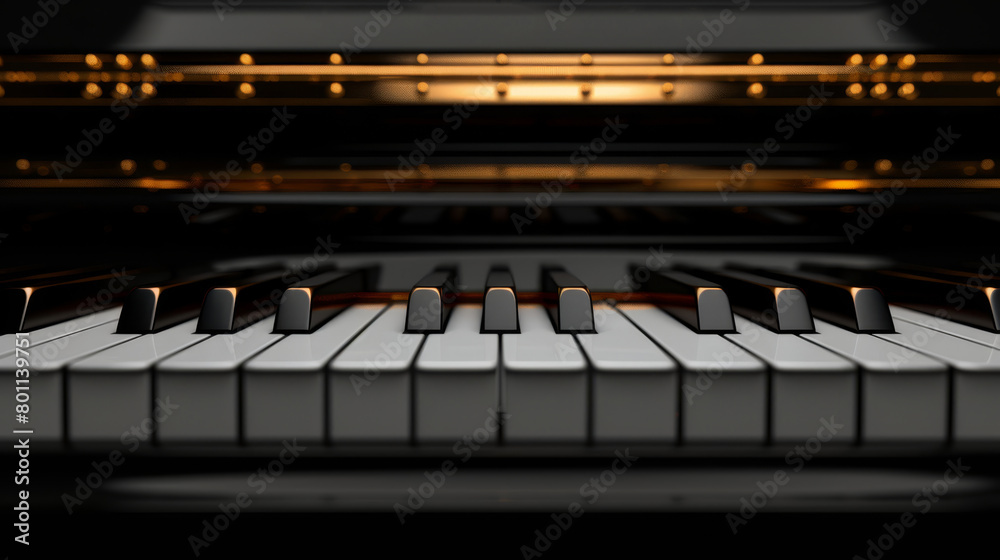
(714, 276)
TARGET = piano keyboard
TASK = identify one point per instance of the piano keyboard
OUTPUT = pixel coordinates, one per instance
(213, 361)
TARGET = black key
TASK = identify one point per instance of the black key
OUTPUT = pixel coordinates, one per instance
(699, 304)
(777, 305)
(28, 305)
(228, 309)
(966, 302)
(859, 308)
(500, 303)
(572, 310)
(310, 303)
(431, 300)
(152, 308)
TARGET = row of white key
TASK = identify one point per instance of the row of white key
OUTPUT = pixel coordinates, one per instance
(644, 377)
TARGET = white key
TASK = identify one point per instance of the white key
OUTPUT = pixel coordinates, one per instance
(109, 393)
(724, 391)
(46, 363)
(904, 394)
(813, 390)
(370, 382)
(456, 382)
(283, 387)
(52, 332)
(634, 382)
(944, 325)
(976, 370)
(202, 381)
(544, 376)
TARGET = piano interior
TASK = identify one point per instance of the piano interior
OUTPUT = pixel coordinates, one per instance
(720, 276)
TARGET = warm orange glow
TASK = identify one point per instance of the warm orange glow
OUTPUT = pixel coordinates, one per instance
(23, 164)
(840, 184)
(1, 91)
(883, 165)
(986, 164)
(128, 166)
(345, 167)
(423, 87)
(92, 91)
(159, 165)
(245, 91)
(850, 165)
(614, 78)
(256, 168)
(336, 89)
(122, 90)
(756, 90)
